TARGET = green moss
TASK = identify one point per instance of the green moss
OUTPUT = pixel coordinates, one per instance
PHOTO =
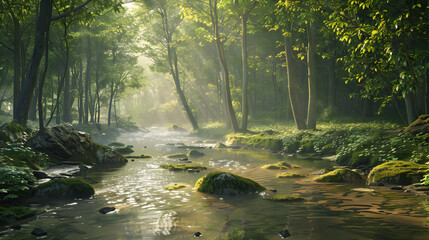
(359, 158)
(4, 137)
(220, 145)
(20, 156)
(11, 214)
(124, 150)
(236, 235)
(65, 188)
(227, 183)
(116, 144)
(340, 175)
(174, 187)
(15, 127)
(177, 155)
(291, 146)
(306, 146)
(398, 172)
(328, 149)
(182, 167)
(284, 198)
(267, 140)
(279, 165)
(141, 156)
(291, 175)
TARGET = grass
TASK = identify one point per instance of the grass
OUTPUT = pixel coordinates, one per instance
(284, 198)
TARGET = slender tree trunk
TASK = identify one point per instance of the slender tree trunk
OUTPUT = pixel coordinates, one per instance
(410, 107)
(312, 84)
(297, 112)
(40, 88)
(332, 91)
(244, 99)
(67, 117)
(87, 79)
(81, 91)
(42, 27)
(16, 64)
(110, 103)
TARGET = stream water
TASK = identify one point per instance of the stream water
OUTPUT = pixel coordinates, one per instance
(146, 211)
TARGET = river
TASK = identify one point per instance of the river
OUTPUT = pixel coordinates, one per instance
(146, 211)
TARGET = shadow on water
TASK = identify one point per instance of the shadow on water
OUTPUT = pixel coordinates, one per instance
(144, 210)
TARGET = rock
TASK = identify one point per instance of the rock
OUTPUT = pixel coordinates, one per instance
(344, 175)
(130, 146)
(38, 232)
(64, 143)
(220, 145)
(397, 188)
(124, 150)
(227, 184)
(65, 188)
(397, 172)
(105, 210)
(284, 233)
(40, 175)
(175, 128)
(376, 184)
(16, 226)
(197, 235)
(195, 154)
(106, 157)
(177, 155)
(11, 131)
(273, 190)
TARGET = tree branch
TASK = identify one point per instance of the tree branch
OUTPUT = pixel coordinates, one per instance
(8, 48)
(65, 14)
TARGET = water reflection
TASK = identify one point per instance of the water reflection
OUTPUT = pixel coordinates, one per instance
(144, 210)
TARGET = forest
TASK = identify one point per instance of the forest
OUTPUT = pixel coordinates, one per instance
(154, 111)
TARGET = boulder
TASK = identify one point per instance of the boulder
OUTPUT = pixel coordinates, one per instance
(64, 143)
(344, 175)
(194, 154)
(224, 183)
(38, 232)
(397, 172)
(105, 210)
(106, 157)
(9, 131)
(65, 188)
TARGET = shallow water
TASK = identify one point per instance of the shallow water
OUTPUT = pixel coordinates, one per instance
(146, 211)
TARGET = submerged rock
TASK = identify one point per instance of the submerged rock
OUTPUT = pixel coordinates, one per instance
(197, 235)
(40, 175)
(397, 172)
(344, 175)
(227, 184)
(38, 232)
(284, 233)
(194, 154)
(105, 210)
(65, 188)
(279, 165)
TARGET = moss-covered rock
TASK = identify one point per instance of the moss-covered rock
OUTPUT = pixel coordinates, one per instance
(306, 146)
(12, 214)
(194, 154)
(177, 155)
(124, 150)
(106, 157)
(174, 187)
(398, 172)
(344, 175)
(291, 146)
(65, 188)
(267, 139)
(328, 149)
(220, 145)
(291, 175)
(420, 125)
(284, 198)
(227, 184)
(279, 165)
(116, 145)
(182, 167)
(141, 156)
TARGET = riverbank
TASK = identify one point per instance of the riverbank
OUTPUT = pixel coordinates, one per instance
(359, 146)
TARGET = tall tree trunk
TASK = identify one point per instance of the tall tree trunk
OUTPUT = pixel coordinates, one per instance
(67, 117)
(332, 90)
(40, 88)
(410, 107)
(87, 79)
(298, 114)
(81, 91)
(312, 84)
(16, 64)
(221, 54)
(244, 98)
(42, 27)
(110, 102)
